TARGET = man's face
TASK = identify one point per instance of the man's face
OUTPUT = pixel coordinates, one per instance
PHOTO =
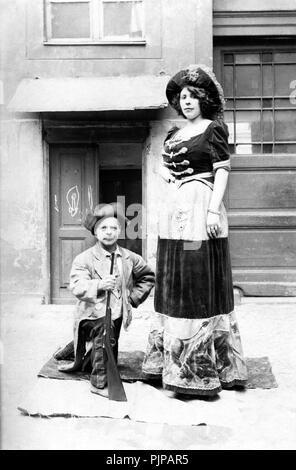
(107, 231)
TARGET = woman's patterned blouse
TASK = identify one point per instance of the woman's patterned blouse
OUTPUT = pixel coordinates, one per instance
(201, 153)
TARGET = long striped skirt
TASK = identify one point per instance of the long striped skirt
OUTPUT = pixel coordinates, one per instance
(194, 343)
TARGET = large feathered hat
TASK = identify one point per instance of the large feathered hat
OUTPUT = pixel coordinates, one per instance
(198, 76)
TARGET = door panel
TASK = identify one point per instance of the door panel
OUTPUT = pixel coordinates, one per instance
(262, 189)
(265, 248)
(73, 188)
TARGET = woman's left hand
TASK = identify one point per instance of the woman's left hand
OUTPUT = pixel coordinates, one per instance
(213, 225)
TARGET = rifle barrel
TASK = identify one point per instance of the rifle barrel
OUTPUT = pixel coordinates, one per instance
(115, 387)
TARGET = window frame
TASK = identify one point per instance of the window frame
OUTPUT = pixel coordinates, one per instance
(256, 45)
(96, 25)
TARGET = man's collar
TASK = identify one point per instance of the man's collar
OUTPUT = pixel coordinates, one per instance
(102, 253)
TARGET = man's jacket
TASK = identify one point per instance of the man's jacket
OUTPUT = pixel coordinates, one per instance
(87, 271)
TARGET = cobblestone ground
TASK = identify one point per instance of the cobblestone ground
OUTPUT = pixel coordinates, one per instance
(30, 333)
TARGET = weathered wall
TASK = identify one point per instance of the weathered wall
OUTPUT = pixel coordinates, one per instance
(22, 200)
(22, 212)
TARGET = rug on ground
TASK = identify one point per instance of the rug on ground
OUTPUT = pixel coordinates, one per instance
(68, 395)
(130, 368)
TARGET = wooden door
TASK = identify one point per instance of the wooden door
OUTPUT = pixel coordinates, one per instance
(82, 176)
(73, 192)
(261, 115)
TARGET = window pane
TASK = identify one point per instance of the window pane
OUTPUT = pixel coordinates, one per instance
(70, 20)
(285, 148)
(267, 80)
(247, 59)
(267, 125)
(248, 81)
(228, 58)
(228, 80)
(247, 149)
(267, 57)
(283, 103)
(267, 102)
(228, 116)
(123, 19)
(285, 125)
(229, 104)
(247, 103)
(285, 57)
(248, 126)
(267, 148)
(284, 76)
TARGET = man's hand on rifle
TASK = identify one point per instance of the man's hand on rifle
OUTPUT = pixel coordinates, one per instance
(108, 282)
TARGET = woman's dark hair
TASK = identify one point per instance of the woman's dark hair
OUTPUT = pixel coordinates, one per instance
(209, 107)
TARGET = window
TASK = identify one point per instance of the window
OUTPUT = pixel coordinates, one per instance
(260, 89)
(94, 21)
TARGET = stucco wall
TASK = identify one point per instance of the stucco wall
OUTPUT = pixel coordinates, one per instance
(22, 207)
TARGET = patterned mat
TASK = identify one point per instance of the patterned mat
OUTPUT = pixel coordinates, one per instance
(130, 367)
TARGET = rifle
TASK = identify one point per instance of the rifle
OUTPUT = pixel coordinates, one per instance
(115, 388)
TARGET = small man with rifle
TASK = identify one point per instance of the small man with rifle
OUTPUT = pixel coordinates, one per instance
(107, 280)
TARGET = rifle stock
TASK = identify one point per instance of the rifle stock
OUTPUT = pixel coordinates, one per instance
(115, 388)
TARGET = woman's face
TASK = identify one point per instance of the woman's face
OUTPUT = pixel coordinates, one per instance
(189, 104)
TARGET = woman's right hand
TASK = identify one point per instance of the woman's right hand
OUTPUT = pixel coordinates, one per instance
(213, 225)
(166, 175)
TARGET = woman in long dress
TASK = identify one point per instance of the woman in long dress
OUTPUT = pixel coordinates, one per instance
(194, 343)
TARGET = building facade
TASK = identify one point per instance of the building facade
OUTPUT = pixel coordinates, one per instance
(84, 116)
